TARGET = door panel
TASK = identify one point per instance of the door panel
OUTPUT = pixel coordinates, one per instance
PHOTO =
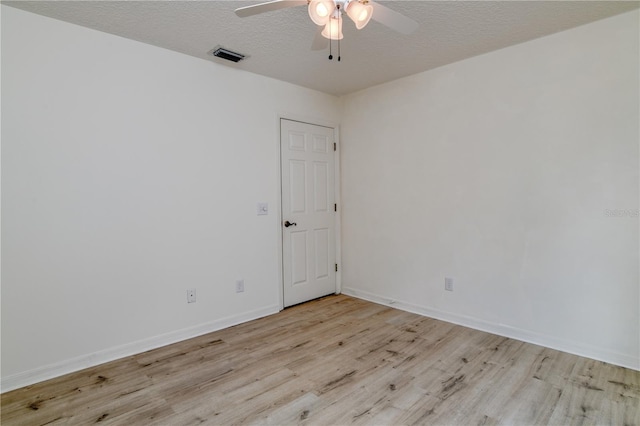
(308, 195)
(321, 239)
(320, 144)
(320, 183)
(296, 141)
(298, 191)
(298, 257)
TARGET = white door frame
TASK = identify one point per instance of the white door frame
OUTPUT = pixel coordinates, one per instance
(338, 198)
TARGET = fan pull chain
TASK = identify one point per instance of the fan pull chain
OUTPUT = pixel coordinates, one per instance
(338, 34)
(330, 43)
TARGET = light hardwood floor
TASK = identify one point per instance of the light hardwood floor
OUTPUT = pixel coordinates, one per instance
(338, 360)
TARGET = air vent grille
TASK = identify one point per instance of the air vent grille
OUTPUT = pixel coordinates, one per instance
(229, 55)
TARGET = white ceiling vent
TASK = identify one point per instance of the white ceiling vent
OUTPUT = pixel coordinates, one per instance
(229, 55)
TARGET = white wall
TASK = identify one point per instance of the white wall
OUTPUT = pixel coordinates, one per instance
(130, 174)
(498, 171)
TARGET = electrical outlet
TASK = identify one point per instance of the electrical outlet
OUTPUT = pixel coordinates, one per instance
(448, 284)
(239, 286)
(191, 295)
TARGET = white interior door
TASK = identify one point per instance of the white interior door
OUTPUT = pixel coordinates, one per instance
(308, 214)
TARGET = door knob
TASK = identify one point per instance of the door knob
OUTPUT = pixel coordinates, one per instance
(288, 224)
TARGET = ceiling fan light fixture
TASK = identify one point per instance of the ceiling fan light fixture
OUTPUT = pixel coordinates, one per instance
(333, 29)
(320, 11)
(360, 13)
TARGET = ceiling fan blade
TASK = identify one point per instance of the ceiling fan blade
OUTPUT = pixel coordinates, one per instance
(243, 12)
(393, 19)
(319, 41)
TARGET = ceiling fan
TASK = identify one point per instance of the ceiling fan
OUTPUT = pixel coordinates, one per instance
(327, 14)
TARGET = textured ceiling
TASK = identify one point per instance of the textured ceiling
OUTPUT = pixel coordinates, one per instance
(279, 42)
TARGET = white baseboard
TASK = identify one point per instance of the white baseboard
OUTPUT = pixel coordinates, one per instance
(90, 360)
(576, 348)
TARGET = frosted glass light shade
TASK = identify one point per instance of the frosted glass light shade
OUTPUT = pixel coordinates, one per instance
(320, 11)
(359, 13)
(333, 29)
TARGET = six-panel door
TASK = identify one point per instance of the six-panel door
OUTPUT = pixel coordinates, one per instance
(308, 197)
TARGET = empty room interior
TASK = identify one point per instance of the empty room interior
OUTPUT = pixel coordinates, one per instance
(231, 212)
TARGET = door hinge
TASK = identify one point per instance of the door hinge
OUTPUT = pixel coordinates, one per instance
(336, 267)
(335, 146)
(335, 207)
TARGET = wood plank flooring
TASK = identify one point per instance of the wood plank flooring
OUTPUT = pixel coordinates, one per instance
(338, 361)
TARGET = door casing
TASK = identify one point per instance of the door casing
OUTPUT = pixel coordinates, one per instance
(338, 199)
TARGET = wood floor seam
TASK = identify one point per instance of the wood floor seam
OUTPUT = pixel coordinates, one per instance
(337, 360)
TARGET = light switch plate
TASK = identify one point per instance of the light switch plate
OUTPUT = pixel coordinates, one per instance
(263, 209)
